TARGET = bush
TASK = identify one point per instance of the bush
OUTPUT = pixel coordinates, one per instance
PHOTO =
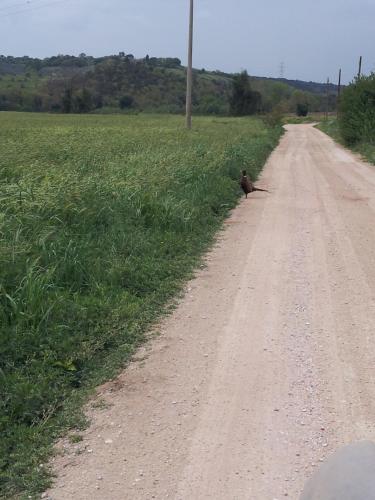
(357, 111)
(302, 109)
(211, 105)
(126, 102)
(274, 118)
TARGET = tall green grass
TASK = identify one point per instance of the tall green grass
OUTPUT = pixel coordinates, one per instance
(364, 148)
(101, 220)
(355, 125)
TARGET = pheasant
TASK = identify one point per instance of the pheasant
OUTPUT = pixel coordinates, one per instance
(247, 185)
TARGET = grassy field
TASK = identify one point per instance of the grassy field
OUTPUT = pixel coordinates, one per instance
(331, 127)
(310, 118)
(102, 218)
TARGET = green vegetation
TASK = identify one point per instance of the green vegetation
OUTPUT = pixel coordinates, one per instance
(302, 109)
(310, 118)
(331, 127)
(244, 101)
(102, 218)
(357, 111)
(366, 149)
(355, 126)
(120, 83)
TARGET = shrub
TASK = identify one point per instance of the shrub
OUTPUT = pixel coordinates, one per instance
(357, 111)
(274, 117)
(126, 102)
(302, 109)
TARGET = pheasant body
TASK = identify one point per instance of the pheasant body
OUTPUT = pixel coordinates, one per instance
(247, 185)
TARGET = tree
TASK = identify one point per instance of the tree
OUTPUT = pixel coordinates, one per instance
(357, 111)
(97, 101)
(83, 102)
(302, 109)
(300, 102)
(244, 101)
(67, 101)
(126, 102)
(37, 103)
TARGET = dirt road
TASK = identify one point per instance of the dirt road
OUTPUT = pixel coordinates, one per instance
(267, 365)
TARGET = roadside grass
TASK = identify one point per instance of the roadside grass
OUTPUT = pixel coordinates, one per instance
(102, 220)
(331, 128)
(310, 118)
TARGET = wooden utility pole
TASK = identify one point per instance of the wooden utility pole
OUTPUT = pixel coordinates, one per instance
(327, 99)
(360, 68)
(338, 93)
(190, 68)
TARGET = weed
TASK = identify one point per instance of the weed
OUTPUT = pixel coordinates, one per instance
(75, 438)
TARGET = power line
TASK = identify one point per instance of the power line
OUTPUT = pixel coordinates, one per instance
(38, 7)
(19, 4)
(7, 3)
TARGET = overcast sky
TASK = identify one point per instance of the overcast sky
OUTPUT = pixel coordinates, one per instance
(313, 38)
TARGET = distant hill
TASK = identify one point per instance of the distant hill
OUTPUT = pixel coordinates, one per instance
(83, 83)
(313, 87)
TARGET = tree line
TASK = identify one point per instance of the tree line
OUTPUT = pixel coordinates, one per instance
(83, 84)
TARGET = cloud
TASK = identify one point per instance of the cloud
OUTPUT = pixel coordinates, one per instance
(312, 38)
